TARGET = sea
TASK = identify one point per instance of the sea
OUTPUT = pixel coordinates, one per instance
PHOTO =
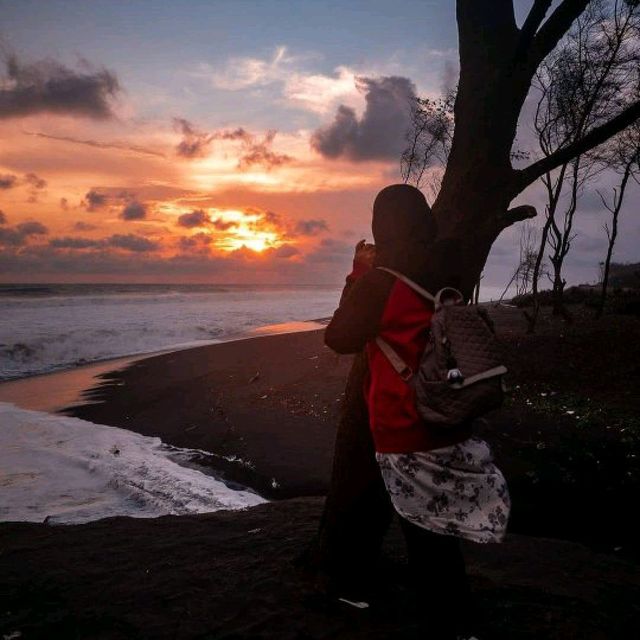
(62, 470)
(50, 327)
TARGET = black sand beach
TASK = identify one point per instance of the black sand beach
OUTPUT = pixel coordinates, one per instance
(567, 440)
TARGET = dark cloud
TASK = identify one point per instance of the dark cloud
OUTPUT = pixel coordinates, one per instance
(3, 217)
(131, 242)
(48, 86)
(69, 242)
(35, 181)
(18, 236)
(8, 181)
(259, 152)
(194, 143)
(134, 210)
(331, 250)
(380, 133)
(254, 151)
(94, 200)
(32, 228)
(223, 225)
(284, 251)
(84, 226)
(197, 218)
(310, 227)
(196, 242)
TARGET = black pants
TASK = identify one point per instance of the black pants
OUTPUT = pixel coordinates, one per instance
(438, 576)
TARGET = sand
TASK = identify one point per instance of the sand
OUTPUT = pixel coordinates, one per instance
(567, 441)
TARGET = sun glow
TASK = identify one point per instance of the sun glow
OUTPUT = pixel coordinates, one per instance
(245, 230)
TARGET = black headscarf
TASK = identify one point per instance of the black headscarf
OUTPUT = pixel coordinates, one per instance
(403, 226)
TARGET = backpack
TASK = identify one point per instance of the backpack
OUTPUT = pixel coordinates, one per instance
(460, 375)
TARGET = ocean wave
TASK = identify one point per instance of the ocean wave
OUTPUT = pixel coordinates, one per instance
(66, 470)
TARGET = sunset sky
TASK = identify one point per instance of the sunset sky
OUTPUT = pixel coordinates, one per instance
(213, 141)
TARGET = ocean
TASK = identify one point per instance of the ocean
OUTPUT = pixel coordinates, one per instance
(49, 327)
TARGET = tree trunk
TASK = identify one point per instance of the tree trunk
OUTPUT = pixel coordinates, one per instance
(613, 234)
(497, 63)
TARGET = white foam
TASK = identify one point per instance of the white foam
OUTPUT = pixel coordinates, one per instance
(74, 471)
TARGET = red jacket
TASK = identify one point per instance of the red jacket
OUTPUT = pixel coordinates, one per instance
(375, 303)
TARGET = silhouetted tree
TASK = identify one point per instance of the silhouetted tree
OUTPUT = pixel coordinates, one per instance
(580, 86)
(625, 158)
(498, 61)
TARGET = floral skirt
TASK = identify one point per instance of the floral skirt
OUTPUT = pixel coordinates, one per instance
(455, 490)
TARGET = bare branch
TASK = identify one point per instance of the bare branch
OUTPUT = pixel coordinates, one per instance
(518, 214)
(524, 177)
(554, 29)
(532, 23)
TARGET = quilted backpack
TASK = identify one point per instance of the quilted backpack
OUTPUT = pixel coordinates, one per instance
(460, 375)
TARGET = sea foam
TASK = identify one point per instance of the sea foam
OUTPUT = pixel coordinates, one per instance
(71, 471)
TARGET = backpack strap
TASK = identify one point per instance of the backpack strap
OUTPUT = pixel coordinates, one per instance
(410, 283)
(401, 367)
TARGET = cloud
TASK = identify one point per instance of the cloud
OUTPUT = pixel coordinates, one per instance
(8, 181)
(64, 204)
(69, 242)
(3, 217)
(244, 72)
(331, 250)
(49, 87)
(196, 242)
(128, 242)
(194, 143)
(319, 93)
(223, 225)
(84, 226)
(122, 146)
(310, 227)
(253, 149)
(35, 181)
(94, 200)
(19, 235)
(132, 242)
(380, 133)
(259, 152)
(284, 251)
(197, 218)
(134, 210)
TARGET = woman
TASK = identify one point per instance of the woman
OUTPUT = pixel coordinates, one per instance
(442, 482)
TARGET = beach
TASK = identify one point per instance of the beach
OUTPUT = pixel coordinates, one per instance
(266, 408)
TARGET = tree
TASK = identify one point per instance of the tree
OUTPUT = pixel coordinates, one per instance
(498, 60)
(625, 158)
(523, 275)
(429, 139)
(579, 87)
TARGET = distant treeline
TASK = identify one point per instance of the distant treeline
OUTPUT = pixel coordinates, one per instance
(624, 288)
(624, 276)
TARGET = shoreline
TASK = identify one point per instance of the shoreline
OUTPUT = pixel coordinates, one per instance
(55, 391)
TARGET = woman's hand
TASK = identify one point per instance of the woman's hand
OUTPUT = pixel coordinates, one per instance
(365, 253)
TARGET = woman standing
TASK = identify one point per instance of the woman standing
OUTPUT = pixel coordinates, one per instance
(442, 482)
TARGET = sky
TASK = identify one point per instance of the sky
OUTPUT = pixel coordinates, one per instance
(222, 142)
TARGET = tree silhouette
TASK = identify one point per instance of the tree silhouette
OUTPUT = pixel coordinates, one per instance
(498, 61)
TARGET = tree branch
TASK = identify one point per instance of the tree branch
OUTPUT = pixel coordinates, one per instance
(554, 29)
(533, 22)
(517, 214)
(524, 177)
